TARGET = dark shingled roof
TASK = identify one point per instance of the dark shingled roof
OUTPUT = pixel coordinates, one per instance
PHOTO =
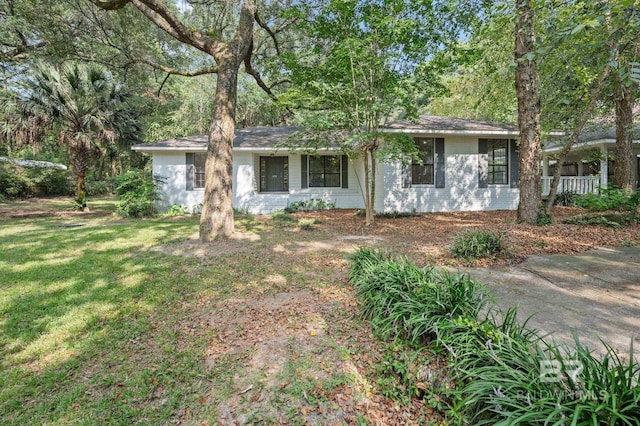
(251, 137)
(269, 137)
(435, 124)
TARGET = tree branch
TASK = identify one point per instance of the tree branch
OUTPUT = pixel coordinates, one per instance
(268, 30)
(175, 71)
(110, 4)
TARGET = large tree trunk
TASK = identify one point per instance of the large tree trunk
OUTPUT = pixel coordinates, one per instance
(528, 116)
(216, 219)
(624, 122)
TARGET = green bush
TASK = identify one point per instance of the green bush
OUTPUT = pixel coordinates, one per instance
(138, 191)
(99, 187)
(609, 199)
(310, 205)
(21, 182)
(565, 199)
(474, 245)
(177, 210)
(403, 300)
(498, 370)
(610, 220)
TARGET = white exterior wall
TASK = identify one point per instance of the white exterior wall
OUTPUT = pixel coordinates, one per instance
(172, 167)
(461, 191)
(247, 195)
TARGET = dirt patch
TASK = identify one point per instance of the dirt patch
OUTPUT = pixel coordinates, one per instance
(426, 237)
(240, 242)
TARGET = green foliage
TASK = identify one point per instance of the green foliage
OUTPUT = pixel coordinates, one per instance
(177, 210)
(403, 300)
(137, 191)
(389, 215)
(610, 220)
(19, 182)
(397, 373)
(474, 245)
(310, 205)
(306, 224)
(96, 188)
(503, 371)
(544, 218)
(565, 199)
(609, 199)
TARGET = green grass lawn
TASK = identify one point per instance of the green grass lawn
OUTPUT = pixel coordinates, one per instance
(92, 321)
(99, 324)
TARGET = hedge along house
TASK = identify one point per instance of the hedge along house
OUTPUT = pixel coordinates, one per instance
(466, 165)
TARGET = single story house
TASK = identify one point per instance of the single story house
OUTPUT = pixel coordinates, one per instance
(467, 165)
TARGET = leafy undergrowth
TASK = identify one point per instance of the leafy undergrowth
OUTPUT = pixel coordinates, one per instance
(495, 370)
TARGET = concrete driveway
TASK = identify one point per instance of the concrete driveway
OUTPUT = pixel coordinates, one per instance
(595, 294)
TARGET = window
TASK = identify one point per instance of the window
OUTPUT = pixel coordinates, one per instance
(324, 171)
(498, 167)
(423, 173)
(199, 160)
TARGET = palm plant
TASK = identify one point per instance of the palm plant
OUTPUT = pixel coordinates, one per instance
(84, 105)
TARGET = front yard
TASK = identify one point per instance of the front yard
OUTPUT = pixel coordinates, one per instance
(106, 320)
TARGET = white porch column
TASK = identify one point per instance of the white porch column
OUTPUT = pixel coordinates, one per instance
(545, 164)
(604, 167)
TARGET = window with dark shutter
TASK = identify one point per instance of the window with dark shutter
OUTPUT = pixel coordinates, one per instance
(422, 170)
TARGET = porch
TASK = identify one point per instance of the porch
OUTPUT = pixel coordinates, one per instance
(575, 184)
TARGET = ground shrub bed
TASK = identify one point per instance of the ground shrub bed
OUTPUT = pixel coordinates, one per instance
(471, 246)
(498, 370)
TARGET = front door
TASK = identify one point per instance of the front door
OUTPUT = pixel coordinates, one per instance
(274, 174)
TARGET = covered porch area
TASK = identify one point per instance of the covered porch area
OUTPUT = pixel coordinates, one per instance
(589, 166)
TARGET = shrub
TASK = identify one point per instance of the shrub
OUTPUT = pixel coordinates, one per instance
(177, 210)
(545, 219)
(310, 205)
(609, 220)
(497, 364)
(99, 187)
(403, 300)
(474, 245)
(307, 224)
(609, 199)
(565, 199)
(138, 192)
(19, 182)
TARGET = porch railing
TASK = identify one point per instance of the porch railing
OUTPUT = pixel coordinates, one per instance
(576, 184)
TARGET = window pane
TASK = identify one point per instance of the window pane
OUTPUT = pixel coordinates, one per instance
(324, 171)
(423, 173)
(498, 170)
(316, 165)
(199, 161)
(332, 164)
(332, 179)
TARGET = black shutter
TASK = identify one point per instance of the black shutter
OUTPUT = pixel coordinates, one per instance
(406, 174)
(285, 173)
(483, 164)
(191, 170)
(263, 174)
(439, 153)
(345, 171)
(303, 171)
(514, 164)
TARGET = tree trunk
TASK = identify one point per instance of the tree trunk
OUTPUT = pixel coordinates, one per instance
(216, 219)
(624, 122)
(528, 116)
(368, 218)
(81, 193)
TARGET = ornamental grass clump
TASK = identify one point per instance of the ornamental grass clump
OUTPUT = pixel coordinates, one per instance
(500, 370)
(405, 301)
(473, 245)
